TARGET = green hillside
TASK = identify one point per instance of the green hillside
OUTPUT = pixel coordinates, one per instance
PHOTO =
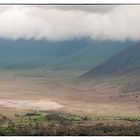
(93, 55)
(62, 55)
(123, 68)
(26, 54)
(122, 63)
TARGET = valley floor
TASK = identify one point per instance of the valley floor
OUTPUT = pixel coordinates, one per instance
(40, 93)
(25, 93)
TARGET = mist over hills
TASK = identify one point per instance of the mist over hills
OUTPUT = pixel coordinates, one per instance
(81, 54)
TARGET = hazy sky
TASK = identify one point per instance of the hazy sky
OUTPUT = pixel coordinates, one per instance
(70, 22)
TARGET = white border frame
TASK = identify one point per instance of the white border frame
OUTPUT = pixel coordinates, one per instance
(100, 2)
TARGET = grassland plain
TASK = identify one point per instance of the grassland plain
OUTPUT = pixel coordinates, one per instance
(87, 109)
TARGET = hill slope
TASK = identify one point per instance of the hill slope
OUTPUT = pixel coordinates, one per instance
(24, 54)
(124, 66)
(70, 55)
(122, 63)
(92, 55)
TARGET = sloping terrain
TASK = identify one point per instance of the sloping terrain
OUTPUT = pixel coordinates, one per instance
(124, 66)
(92, 55)
(25, 54)
(122, 63)
(70, 55)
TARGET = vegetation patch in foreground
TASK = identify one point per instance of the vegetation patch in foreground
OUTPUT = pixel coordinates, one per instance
(60, 124)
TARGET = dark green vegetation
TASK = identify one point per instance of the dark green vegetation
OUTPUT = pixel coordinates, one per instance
(72, 55)
(60, 124)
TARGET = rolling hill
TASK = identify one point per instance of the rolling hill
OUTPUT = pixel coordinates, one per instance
(26, 54)
(63, 55)
(93, 55)
(124, 65)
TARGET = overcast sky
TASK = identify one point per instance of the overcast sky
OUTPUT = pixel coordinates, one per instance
(70, 22)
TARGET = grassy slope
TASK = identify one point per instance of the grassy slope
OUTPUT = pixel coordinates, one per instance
(124, 68)
(68, 55)
(89, 57)
(26, 54)
(122, 63)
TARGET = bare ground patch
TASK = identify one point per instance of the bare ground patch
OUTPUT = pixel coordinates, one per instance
(30, 104)
(33, 94)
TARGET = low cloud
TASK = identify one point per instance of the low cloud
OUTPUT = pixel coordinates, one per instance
(52, 23)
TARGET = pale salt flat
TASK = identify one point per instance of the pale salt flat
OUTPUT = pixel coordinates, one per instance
(30, 104)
